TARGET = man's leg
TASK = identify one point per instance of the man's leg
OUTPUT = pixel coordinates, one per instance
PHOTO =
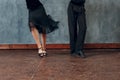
(81, 32)
(72, 23)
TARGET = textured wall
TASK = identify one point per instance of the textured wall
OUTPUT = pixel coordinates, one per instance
(103, 21)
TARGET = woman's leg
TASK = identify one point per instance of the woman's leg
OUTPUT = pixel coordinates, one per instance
(35, 34)
(43, 37)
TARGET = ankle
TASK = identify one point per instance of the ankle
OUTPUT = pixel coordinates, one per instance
(40, 47)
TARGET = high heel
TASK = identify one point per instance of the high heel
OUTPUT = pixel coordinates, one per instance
(40, 52)
(44, 53)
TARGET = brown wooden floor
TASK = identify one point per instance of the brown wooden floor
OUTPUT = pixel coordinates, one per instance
(59, 65)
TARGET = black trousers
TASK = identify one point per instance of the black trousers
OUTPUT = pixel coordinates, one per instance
(77, 27)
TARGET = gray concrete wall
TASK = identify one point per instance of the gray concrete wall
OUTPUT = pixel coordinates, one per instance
(103, 21)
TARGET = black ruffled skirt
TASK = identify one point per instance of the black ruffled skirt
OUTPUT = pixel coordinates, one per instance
(43, 22)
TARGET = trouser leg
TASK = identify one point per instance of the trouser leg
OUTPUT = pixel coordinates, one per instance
(72, 27)
(81, 31)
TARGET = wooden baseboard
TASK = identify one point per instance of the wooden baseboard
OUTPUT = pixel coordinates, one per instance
(62, 46)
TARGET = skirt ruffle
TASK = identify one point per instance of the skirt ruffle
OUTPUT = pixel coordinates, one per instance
(43, 22)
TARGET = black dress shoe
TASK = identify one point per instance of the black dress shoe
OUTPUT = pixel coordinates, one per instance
(81, 54)
(74, 55)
